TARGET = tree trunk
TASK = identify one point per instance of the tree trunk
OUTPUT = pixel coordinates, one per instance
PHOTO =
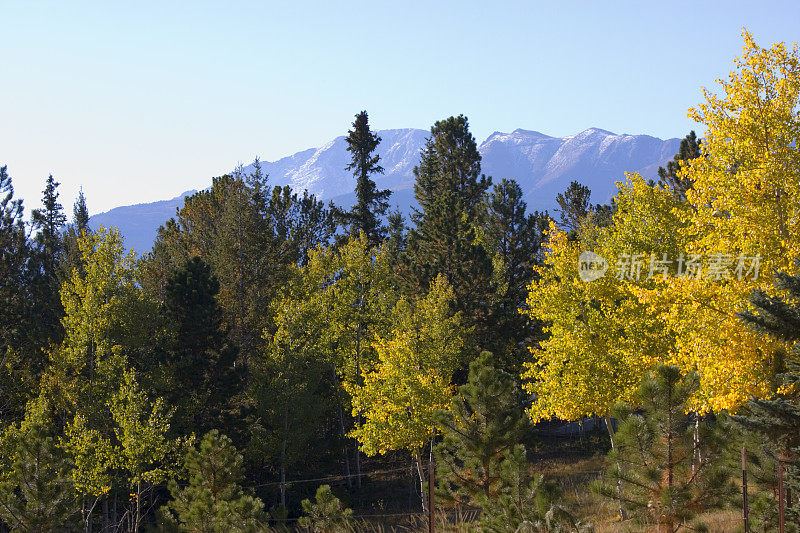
(138, 506)
(421, 474)
(283, 456)
(345, 457)
(610, 427)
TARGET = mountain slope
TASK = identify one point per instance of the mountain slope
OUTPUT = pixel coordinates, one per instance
(542, 165)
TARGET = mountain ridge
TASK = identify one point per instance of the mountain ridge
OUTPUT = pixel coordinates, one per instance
(543, 166)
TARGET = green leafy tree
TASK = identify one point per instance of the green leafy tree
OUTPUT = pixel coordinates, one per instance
(371, 203)
(411, 379)
(107, 322)
(213, 501)
(145, 453)
(484, 421)
(325, 514)
(654, 473)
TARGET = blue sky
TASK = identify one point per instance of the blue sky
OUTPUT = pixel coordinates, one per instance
(139, 101)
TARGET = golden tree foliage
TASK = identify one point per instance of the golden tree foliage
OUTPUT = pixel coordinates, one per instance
(601, 337)
(412, 378)
(746, 191)
(744, 205)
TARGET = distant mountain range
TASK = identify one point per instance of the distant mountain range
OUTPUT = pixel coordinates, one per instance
(542, 165)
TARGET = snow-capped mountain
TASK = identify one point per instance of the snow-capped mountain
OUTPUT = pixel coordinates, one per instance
(321, 171)
(542, 165)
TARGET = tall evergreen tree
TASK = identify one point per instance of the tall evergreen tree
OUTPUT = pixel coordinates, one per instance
(21, 360)
(450, 190)
(201, 375)
(78, 226)
(515, 238)
(371, 203)
(80, 213)
(669, 177)
(49, 222)
(573, 206)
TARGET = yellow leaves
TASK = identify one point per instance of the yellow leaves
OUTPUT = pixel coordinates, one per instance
(747, 193)
(745, 202)
(411, 378)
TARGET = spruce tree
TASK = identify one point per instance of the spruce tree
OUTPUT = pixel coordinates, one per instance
(48, 222)
(777, 418)
(484, 422)
(450, 189)
(653, 472)
(371, 203)
(78, 226)
(80, 213)
(669, 177)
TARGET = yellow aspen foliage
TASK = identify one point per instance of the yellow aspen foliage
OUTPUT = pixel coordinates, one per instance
(746, 193)
(740, 224)
(411, 379)
(602, 338)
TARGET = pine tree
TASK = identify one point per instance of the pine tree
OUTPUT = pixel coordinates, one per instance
(515, 239)
(20, 357)
(371, 203)
(484, 421)
(525, 503)
(213, 501)
(450, 190)
(671, 177)
(36, 493)
(199, 375)
(325, 514)
(573, 206)
(654, 473)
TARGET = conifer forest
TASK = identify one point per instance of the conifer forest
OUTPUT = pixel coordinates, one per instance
(278, 363)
